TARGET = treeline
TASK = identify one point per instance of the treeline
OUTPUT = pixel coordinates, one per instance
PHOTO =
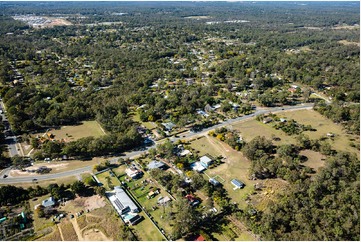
(346, 114)
(323, 208)
(89, 146)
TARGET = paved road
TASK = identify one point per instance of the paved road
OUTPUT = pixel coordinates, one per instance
(44, 177)
(10, 140)
(188, 135)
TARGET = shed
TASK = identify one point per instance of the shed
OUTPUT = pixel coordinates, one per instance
(157, 165)
(237, 184)
(267, 120)
(214, 182)
(205, 161)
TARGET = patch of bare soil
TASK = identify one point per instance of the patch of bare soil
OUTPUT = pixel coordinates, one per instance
(94, 235)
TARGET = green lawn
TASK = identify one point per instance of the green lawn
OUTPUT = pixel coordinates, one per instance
(148, 125)
(146, 231)
(203, 146)
(103, 179)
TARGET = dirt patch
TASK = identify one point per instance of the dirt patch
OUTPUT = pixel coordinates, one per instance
(94, 235)
(345, 42)
(315, 159)
(84, 203)
(55, 167)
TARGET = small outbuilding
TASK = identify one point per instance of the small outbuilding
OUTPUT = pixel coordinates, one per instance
(237, 184)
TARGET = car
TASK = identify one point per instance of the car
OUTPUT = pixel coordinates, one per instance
(4, 176)
(35, 179)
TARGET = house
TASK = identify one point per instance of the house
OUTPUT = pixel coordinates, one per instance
(168, 126)
(237, 184)
(282, 120)
(48, 202)
(197, 166)
(214, 182)
(121, 201)
(192, 200)
(131, 219)
(267, 120)
(157, 165)
(185, 152)
(133, 173)
(330, 135)
(152, 194)
(205, 161)
(163, 201)
(217, 106)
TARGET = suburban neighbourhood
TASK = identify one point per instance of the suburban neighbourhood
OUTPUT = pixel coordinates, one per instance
(195, 121)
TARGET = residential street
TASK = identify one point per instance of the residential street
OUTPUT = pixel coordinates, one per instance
(187, 135)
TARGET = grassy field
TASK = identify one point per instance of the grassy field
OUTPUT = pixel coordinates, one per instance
(148, 125)
(315, 159)
(103, 179)
(235, 166)
(203, 146)
(54, 236)
(253, 128)
(268, 196)
(75, 132)
(120, 170)
(146, 231)
(323, 126)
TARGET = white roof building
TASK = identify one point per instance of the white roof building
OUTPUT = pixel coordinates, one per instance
(121, 201)
(205, 160)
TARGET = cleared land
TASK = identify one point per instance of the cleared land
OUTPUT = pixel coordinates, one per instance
(75, 132)
(203, 145)
(323, 126)
(346, 42)
(315, 159)
(253, 128)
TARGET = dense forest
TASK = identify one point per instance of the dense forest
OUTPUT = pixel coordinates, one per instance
(167, 62)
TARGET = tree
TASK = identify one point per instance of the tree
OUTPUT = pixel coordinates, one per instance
(186, 218)
(78, 187)
(100, 191)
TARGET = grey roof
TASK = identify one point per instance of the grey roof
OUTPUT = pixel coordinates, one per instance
(122, 202)
(237, 183)
(155, 164)
(48, 202)
(214, 181)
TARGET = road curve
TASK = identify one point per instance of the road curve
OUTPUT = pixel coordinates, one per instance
(189, 135)
(44, 177)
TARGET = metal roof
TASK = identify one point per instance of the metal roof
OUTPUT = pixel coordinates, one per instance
(237, 183)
